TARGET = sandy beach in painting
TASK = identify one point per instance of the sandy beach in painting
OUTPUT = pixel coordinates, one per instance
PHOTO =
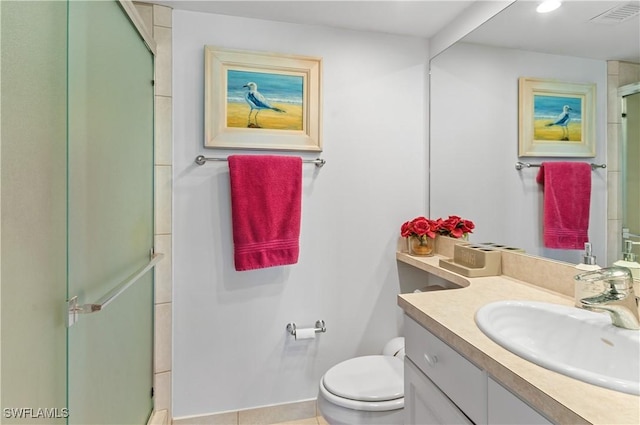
(554, 133)
(291, 119)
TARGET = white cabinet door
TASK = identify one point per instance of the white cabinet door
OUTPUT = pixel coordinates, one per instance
(462, 382)
(506, 408)
(425, 403)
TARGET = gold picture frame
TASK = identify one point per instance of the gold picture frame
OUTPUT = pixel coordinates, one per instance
(556, 119)
(264, 101)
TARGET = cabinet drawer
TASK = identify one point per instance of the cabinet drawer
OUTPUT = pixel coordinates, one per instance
(424, 402)
(458, 378)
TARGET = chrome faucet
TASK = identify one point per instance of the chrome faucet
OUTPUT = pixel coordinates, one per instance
(616, 297)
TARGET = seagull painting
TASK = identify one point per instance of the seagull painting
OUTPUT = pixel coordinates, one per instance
(258, 102)
(563, 121)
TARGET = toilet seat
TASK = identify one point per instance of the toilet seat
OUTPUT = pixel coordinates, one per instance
(371, 383)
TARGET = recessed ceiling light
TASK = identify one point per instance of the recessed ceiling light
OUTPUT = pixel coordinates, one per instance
(548, 6)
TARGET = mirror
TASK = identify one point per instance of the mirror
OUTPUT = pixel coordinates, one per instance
(474, 119)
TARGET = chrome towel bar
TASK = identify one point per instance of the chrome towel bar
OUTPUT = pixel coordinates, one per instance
(201, 159)
(521, 165)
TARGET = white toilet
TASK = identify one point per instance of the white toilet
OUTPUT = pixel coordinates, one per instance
(365, 390)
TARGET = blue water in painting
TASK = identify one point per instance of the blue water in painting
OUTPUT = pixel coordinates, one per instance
(275, 87)
(549, 107)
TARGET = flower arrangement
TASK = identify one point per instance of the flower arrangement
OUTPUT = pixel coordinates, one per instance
(455, 227)
(422, 231)
(422, 227)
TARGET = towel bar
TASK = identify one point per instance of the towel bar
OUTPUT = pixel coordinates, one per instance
(521, 165)
(201, 159)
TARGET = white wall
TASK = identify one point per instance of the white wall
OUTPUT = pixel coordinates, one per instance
(474, 145)
(231, 350)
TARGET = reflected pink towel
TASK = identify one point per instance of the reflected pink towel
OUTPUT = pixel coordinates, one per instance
(266, 202)
(567, 198)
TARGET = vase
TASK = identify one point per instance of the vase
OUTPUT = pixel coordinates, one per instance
(421, 246)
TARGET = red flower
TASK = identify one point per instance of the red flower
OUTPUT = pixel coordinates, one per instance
(406, 230)
(467, 226)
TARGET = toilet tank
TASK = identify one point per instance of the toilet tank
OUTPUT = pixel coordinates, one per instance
(395, 347)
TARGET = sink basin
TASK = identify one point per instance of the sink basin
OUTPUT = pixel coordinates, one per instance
(578, 343)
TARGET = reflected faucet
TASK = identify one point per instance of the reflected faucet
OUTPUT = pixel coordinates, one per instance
(617, 298)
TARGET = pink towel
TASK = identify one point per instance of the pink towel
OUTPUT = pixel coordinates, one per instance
(266, 202)
(567, 198)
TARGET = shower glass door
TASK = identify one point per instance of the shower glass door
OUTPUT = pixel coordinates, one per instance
(110, 215)
(630, 167)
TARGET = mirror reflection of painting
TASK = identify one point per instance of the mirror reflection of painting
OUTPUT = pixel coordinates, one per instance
(264, 100)
(557, 118)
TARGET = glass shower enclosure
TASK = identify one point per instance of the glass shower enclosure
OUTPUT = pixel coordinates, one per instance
(109, 217)
(77, 184)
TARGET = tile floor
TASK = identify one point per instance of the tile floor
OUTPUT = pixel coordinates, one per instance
(311, 421)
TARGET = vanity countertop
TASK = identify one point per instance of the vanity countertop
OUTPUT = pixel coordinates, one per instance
(449, 314)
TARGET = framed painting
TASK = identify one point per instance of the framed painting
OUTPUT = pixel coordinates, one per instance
(556, 118)
(256, 100)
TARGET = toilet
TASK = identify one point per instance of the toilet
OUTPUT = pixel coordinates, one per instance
(365, 390)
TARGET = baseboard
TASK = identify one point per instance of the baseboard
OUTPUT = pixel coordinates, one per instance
(159, 417)
(265, 415)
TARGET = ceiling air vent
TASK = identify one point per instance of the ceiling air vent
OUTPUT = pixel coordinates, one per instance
(618, 14)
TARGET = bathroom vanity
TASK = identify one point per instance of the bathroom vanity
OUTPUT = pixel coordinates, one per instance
(454, 373)
(442, 386)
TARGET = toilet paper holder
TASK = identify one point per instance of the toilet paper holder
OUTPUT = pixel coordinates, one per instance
(320, 327)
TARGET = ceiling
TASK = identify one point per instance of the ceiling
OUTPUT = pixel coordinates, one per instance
(567, 31)
(412, 18)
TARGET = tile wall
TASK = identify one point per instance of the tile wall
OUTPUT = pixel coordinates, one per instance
(157, 20)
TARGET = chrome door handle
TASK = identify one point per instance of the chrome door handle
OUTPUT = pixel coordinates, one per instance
(74, 308)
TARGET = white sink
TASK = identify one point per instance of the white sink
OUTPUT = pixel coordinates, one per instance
(578, 343)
